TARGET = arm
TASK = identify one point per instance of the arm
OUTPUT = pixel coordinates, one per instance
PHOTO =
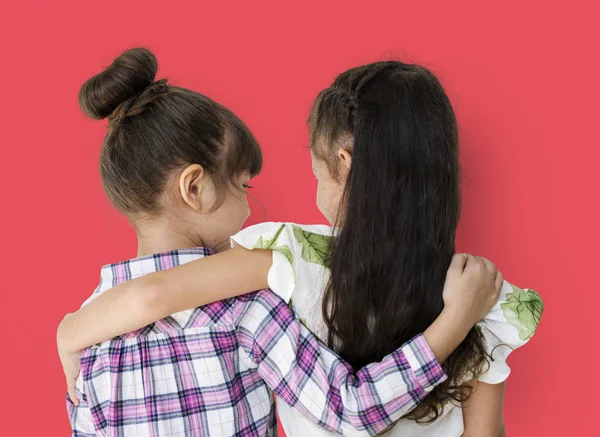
(470, 291)
(139, 302)
(314, 380)
(482, 411)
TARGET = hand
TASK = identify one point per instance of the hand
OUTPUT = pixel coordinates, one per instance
(70, 361)
(471, 290)
(472, 287)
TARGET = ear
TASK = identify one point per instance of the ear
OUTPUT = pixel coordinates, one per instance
(193, 185)
(345, 158)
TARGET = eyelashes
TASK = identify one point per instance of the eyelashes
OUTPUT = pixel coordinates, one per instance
(247, 186)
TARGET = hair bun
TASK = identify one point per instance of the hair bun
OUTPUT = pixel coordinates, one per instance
(125, 78)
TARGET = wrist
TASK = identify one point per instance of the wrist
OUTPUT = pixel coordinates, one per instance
(446, 333)
(458, 317)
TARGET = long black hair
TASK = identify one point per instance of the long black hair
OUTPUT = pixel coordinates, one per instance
(398, 217)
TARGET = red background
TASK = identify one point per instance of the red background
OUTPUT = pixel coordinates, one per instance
(523, 77)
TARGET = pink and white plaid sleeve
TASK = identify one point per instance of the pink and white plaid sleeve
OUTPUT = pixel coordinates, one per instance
(317, 382)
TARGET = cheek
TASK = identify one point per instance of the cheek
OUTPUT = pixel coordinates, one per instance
(320, 197)
(234, 213)
(241, 210)
(327, 199)
(246, 209)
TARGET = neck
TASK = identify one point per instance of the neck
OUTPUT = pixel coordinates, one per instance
(156, 237)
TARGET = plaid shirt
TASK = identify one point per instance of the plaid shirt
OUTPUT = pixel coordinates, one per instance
(211, 371)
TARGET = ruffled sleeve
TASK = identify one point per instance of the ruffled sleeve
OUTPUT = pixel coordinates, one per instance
(509, 325)
(299, 254)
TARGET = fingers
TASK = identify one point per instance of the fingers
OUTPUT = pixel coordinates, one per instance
(499, 281)
(481, 265)
(72, 392)
(490, 266)
(474, 264)
(457, 265)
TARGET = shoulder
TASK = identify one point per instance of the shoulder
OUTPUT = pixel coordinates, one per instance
(308, 242)
(508, 326)
(516, 315)
(260, 306)
(271, 232)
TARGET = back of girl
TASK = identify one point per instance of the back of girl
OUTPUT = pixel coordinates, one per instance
(385, 153)
(176, 164)
(398, 214)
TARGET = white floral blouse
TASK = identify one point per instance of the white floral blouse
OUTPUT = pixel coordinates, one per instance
(299, 276)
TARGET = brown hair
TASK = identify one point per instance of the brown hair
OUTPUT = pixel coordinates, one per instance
(398, 217)
(155, 128)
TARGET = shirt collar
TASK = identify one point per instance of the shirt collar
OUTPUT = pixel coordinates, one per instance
(112, 275)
